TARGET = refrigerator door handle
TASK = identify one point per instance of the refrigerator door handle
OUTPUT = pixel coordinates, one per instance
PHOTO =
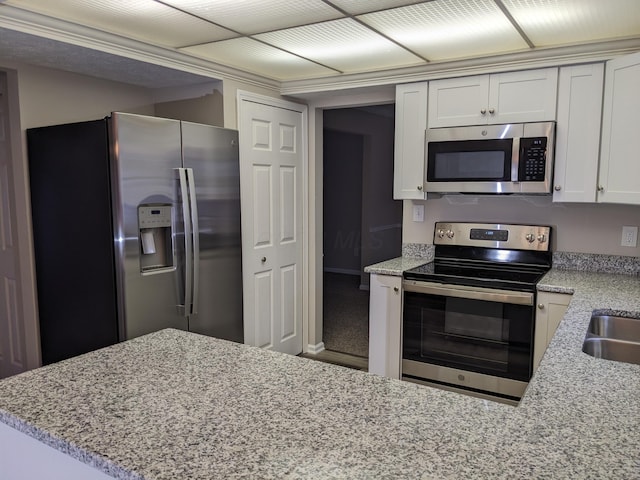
(188, 239)
(195, 233)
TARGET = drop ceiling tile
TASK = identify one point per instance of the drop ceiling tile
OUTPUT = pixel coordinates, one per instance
(557, 22)
(449, 29)
(256, 16)
(253, 56)
(342, 44)
(144, 20)
(356, 7)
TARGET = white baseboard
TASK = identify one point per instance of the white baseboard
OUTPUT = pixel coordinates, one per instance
(315, 349)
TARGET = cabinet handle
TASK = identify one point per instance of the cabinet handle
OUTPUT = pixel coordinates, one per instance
(600, 188)
(420, 187)
(541, 306)
(492, 111)
(557, 188)
(396, 289)
(263, 259)
(483, 111)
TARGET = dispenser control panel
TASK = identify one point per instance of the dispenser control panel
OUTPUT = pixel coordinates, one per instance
(154, 216)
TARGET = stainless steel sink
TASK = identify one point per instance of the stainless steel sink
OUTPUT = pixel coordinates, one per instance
(619, 328)
(613, 338)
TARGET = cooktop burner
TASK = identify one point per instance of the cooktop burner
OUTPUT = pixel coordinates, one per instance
(509, 257)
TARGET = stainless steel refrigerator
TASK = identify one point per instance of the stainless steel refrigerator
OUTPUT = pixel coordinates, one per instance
(136, 225)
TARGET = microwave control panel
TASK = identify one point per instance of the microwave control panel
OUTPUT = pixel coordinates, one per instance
(533, 159)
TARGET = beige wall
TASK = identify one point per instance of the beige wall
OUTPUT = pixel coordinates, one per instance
(584, 228)
(40, 97)
(49, 97)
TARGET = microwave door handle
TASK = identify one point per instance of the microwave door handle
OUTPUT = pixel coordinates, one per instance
(181, 173)
(472, 293)
(515, 159)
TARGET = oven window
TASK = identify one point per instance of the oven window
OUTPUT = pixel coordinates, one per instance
(475, 335)
(481, 160)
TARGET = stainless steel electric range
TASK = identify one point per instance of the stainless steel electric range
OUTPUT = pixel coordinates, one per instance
(469, 316)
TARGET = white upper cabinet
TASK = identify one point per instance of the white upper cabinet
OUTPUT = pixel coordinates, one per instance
(578, 133)
(514, 97)
(619, 174)
(410, 129)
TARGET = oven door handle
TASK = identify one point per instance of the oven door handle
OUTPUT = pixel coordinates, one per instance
(473, 293)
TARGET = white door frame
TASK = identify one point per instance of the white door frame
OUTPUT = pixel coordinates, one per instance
(330, 100)
(302, 109)
(24, 308)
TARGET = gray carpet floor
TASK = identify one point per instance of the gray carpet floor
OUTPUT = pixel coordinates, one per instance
(346, 315)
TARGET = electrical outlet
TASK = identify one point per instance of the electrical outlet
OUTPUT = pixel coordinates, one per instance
(418, 213)
(629, 236)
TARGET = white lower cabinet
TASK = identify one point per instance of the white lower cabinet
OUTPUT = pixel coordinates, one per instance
(385, 325)
(549, 313)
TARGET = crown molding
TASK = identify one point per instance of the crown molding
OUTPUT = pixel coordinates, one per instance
(538, 58)
(13, 18)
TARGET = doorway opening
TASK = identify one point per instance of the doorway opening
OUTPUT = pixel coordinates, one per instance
(362, 224)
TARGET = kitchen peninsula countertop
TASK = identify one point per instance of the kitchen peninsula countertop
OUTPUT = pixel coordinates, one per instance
(175, 405)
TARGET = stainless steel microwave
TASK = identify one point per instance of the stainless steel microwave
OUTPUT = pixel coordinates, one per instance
(496, 159)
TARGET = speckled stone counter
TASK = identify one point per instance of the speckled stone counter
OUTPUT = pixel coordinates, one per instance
(175, 405)
(413, 255)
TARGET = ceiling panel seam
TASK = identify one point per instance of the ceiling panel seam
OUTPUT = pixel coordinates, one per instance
(374, 30)
(243, 35)
(515, 24)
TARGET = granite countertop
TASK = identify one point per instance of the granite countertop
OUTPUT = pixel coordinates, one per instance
(395, 266)
(179, 405)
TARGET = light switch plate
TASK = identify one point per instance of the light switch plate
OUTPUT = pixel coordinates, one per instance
(629, 236)
(418, 213)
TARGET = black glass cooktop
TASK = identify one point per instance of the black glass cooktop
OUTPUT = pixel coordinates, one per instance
(479, 274)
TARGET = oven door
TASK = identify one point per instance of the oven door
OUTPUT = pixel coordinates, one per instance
(473, 329)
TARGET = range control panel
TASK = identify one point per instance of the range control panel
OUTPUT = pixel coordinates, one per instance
(491, 235)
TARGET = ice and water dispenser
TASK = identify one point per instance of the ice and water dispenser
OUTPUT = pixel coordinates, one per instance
(156, 237)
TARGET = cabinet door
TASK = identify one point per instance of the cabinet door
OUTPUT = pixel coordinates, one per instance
(619, 175)
(385, 325)
(409, 147)
(458, 101)
(578, 133)
(549, 314)
(527, 96)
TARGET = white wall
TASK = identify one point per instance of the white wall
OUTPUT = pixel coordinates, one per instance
(584, 228)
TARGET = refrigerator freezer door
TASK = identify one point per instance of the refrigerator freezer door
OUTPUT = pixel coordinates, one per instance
(145, 153)
(212, 153)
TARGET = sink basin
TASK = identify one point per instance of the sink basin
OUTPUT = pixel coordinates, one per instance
(613, 338)
(609, 349)
(620, 328)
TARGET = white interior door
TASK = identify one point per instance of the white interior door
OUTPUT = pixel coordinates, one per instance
(272, 154)
(12, 341)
